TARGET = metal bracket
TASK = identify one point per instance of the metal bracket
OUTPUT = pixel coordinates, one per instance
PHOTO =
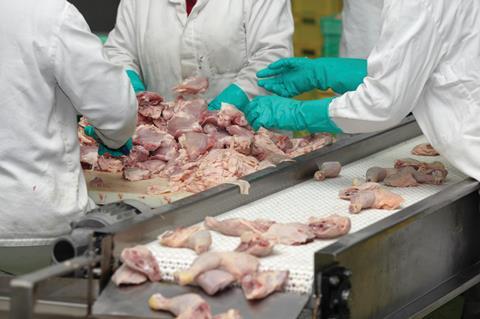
(333, 291)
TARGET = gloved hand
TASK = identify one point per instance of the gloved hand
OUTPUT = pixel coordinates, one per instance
(234, 95)
(274, 112)
(102, 149)
(294, 76)
(137, 83)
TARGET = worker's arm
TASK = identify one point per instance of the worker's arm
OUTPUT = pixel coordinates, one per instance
(400, 66)
(98, 89)
(121, 45)
(269, 30)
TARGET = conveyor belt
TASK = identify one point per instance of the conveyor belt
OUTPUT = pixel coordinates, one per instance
(297, 204)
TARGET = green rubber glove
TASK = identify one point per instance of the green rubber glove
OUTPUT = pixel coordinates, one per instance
(234, 95)
(102, 149)
(274, 112)
(137, 83)
(293, 76)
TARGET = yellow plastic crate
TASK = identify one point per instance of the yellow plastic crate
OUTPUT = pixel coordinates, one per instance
(308, 31)
(317, 8)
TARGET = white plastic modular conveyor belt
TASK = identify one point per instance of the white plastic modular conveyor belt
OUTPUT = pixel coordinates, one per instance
(297, 204)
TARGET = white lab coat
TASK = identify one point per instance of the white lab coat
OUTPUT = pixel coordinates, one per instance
(46, 54)
(362, 23)
(426, 61)
(227, 41)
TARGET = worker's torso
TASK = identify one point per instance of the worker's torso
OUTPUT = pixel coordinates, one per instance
(39, 153)
(449, 108)
(211, 42)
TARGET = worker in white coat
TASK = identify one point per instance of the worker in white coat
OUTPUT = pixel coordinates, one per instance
(162, 43)
(362, 22)
(48, 56)
(426, 61)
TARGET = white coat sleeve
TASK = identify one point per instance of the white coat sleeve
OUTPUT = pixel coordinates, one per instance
(399, 67)
(98, 89)
(269, 31)
(121, 45)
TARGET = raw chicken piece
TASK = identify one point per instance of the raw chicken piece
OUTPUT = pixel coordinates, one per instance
(149, 136)
(213, 281)
(237, 226)
(240, 131)
(137, 154)
(192, 86)
(142, 120)
(210, 129)
(241, 144)
(188, 306)
(97, 182)
(405, 177)
(434, 177)
(194, 238)
(195, 108)
(182, 123)
(424, 150)
(217, 167)
(150, 105)
(153, 166)
(349, 192)
(254, 244)
(140, 259)
(328, 170)
(329, 227)
(283, 142)
(230, 115)
(149, 98)
(106, 163)
(88, 156)
(237, 264)
(126, 276)
(265, 149)
(209, 117)
(168, 149)
(231, 314)
(289, 234)
(405, 162)
(263, 284)
(309, 145)
(168, 110)
(378, 174)
(430, 168)
(196, 144)
(161, 124)
(377, 199)
(135, 174)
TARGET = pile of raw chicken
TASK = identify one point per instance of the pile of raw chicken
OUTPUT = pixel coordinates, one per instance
(193, 147)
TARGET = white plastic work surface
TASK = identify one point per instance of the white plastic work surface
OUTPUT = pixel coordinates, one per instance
(297, 204)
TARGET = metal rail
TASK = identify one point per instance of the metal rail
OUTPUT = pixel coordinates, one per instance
(24, 288)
